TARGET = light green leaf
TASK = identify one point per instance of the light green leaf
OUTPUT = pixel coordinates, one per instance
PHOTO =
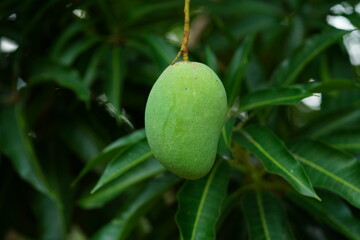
(290, 68)
(275, 156)
(236, 71)
(135, 207)
(210, 59)
(272, 96)
(330, 168)
(127, 160)
(331, 210)
(16, 144)
(113, 150)
(140, 172)
(264, 217)
(200, 202)
(63, 76)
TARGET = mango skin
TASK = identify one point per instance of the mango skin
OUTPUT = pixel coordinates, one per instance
(184, 115)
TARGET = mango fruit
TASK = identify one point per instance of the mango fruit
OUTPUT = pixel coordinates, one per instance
(184, 115)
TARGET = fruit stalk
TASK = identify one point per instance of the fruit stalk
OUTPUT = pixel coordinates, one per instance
(184, 48)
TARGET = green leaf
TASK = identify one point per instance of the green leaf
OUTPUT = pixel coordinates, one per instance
(135, 207)
(69, 55)
(210, 59)
(93, 66)
(330, 121)
(272, 96)
(264, 217)
(142, 171)
(236, 71)
(330, 168)
(331, 210)
(224, 146)
(112, 151)
(290, 68)
(200, 202)
(63, 76)
(116, 77)
(127, 160)
(346, 140)
(16, 144)
(275, 156)
(162, 52)
(335, 85)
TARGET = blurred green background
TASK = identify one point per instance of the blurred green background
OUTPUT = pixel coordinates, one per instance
(75, 76)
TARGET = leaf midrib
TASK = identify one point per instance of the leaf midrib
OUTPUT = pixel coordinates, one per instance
(328, 173)
(272, 159)
(262, 215)
(273, 100)
(202, 201)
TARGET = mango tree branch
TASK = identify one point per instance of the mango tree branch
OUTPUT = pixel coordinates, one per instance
(184, 49)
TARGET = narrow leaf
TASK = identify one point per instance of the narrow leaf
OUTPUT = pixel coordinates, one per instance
(135, 207)
(346, 139)
(272, 96)
(290, 68)
(17, 146)
(276, 158)
(111, 151)
(114, 82)
(330, 121)
(162, 52)
(330, 168)
(63, 76)
(331, 210)
(264, 217)
(210, 59)
(237, 67)
(200, 203)
(129, 159)
(142, 171)
(72, 52)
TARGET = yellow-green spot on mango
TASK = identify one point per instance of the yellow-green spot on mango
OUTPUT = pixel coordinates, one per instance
(184, 115)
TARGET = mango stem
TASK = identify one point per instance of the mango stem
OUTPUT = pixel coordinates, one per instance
(184, 48)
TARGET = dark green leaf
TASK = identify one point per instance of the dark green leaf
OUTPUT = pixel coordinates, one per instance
(275, 156)
(130, 212)
(200, 202)
(117, 73)
(162, 52)
(72, 52)
(290, 68)
(335, 85)
(111, 151)
(272, 96)
(346, 140)
(331, 210)
(63, 76)
(132, 157)
(210, 59)
(328, 122)
(264, 217)
(330, 168)
(236, 70)
(224, 146)
(93, 66)
(142, 171)
(16, 144)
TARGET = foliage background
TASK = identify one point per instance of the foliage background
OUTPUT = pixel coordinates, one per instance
(73, 92)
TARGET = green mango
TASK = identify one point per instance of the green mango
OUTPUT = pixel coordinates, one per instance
(184, 115)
